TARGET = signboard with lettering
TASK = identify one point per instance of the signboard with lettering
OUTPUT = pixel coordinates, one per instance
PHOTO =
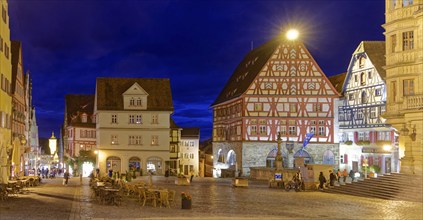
(278, 176)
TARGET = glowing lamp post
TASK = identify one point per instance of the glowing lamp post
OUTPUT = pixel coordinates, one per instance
(52, 143)
(292, 34)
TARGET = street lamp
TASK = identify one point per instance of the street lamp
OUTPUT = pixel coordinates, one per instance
(292, 34)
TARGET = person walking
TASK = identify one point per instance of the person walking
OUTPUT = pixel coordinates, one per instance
(322, 180)
(345, 174)
(332, 178)
(167, 175)
(338, 175)
(192, 175)
(352, 174)
(66, 178)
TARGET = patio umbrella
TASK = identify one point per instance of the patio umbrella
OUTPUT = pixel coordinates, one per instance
(4, 176)
(16, 155)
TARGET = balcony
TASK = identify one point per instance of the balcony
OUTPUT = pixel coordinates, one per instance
(414, 102)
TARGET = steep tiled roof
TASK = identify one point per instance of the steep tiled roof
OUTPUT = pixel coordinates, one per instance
(109, 93)
(338, 81)
(75, 106)
(246, 71)
(190, 132)
(376, 52)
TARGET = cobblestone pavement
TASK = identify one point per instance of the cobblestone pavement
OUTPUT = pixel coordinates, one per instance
(212, 199)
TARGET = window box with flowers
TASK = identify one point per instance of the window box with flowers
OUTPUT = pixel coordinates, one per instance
(348, 142)
(361, 143)
(186, 200)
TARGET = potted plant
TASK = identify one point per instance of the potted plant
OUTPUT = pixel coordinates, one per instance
(186, 200)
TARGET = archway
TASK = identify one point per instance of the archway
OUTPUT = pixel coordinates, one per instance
(328, 157)
(154, 165)
(302, 153)
(270, 159)
(113, 163)
(220, 156)
(135, 164)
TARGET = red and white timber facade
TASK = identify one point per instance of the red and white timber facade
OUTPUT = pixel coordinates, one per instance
(277, 88)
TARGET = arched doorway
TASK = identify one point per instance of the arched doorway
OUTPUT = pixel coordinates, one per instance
(302, 153)
(270, 159)
(154, 165)
(113, 163)
(231, 158)
(328, 157)
(220, 156)
(135, 164)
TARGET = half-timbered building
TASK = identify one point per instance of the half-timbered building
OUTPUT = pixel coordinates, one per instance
(277, 88)
(364, 134)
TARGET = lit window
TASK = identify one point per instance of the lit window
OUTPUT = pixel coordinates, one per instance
(254, 129)
(292, 107)
(257, 107)
(131, 119)
(292, 130)
(139, 119)
(114, 119)
(393, 43)
(263, 129)
(408, 40)
(155, 119)
(373, 112)
(115, 139)
(408, 87)
(84, 118)
(154, 140)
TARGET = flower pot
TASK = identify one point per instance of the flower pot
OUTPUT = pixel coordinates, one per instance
(186, 204)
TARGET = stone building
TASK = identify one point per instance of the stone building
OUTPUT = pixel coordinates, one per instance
(278, 88)
(190, 140)
(5, 89)
(404, 79)
(133, 124)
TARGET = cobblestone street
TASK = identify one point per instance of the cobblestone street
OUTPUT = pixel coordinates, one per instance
(212, 199)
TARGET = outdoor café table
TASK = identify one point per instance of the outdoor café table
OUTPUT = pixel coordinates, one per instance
(111, 196)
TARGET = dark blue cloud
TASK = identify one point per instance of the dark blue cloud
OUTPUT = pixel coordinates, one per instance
(197, 44)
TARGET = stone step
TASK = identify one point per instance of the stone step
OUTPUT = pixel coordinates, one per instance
(392, 187)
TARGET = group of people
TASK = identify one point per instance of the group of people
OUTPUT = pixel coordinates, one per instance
(335, 177)
(46, 173)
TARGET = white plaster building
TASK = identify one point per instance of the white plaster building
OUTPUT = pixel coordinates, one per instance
(133, 124)
(190, 140)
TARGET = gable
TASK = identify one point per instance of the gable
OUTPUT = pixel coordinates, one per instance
(135, 89)
(291, 70)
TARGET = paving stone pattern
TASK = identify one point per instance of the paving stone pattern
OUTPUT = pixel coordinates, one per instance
(212, 199)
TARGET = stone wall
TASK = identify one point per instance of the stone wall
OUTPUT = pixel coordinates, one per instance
(225, 147)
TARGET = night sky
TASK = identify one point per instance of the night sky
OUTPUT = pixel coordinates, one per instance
(197, 44)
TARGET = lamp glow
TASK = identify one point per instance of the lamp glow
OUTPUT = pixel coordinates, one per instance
(292, 34)
(387, 147)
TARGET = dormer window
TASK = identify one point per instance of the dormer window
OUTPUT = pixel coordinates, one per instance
(135, 98)
(84, 118)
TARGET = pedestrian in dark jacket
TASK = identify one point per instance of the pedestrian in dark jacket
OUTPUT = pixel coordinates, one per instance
(332, 178)
(322, 180)
(352, 175)
(66, 177)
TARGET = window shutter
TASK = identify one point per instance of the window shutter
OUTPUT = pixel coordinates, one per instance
(346, 158)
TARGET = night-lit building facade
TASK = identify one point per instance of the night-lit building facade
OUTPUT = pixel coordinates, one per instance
(79, 127)
(5, 80)
(404, 79)
(364, 134)
(190, 140)
(133, 124)
(277, 88)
